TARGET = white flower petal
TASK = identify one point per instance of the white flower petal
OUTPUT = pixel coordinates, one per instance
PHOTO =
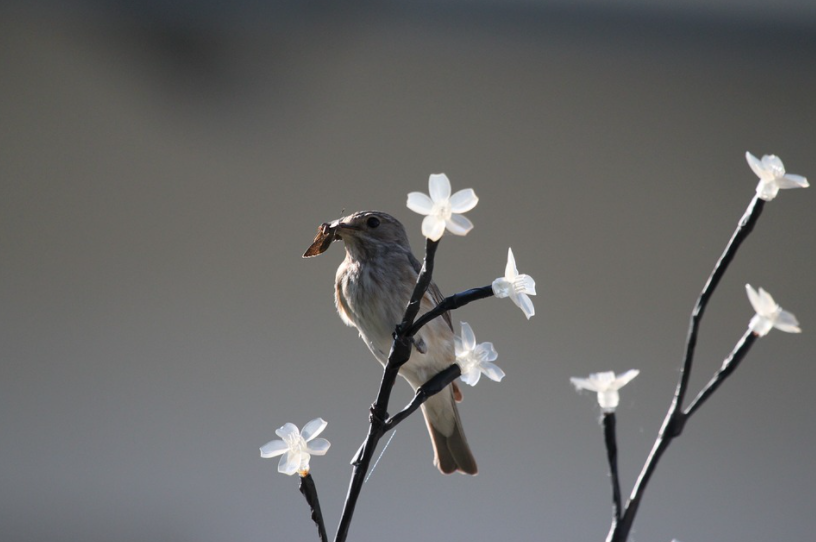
(433, 227)
(439, 187)
(459, 225)
(318, 446)
(756, 165)
(604, 379)
(769, 314)
(489, 352)
(493, 372)
(463, 201)
(515, 286)
(623, 379)
(288, 429)
(527, 284)
(606, 385)
(510, 270)
(753, 297)
(289, 463)
(458, 346)
(787, 322)
(773, 165)
(420, 203)
(273, 448)
(471, 377)
(474, 359)
(295, 448)
(767, 304)
(468, 337)
(771, 172)
(441, 210)
(525, 304)
(792, 181)
(313, 428)
(583, 383)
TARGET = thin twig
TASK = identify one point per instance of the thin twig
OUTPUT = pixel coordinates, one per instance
(308, 489)
(423, 281)
(612, 455)
(424, 392)
(675, 418)
(450, 303)
(399, 355)
(728, 367)
(744, 228)
(379, 422)
(400, 352)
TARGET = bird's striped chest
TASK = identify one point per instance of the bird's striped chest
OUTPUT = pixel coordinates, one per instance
(370, 300)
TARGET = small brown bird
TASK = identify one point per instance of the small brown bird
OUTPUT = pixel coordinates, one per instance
(372, 288)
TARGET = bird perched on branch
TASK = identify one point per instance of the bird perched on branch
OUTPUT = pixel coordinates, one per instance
(372, 288)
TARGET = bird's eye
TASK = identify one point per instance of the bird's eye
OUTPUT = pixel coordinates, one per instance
(373, 222)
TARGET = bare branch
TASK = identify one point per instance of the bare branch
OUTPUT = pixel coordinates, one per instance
(728, 367)
(308, 489)
(675, 419)
(433, 386)
(612, 456)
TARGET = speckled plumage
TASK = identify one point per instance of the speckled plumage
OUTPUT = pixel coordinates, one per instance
(372, 288)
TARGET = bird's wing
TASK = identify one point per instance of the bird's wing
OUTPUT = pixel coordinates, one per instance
(437, 297)
(433, 290)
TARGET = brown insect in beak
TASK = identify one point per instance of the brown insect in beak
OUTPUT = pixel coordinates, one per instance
(325, 236)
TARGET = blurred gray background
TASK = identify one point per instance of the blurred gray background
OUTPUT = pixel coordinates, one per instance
(163, 167)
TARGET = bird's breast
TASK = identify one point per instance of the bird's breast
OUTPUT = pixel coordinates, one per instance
(373, 299)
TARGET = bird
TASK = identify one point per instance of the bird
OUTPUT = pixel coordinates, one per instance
(373, 285)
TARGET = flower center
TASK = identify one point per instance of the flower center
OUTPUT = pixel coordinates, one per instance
(774, 165)
(442, 209)
(295, 442)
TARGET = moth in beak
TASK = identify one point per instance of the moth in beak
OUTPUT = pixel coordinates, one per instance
(326, 234)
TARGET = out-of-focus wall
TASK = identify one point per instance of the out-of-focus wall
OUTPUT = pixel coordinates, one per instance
(162, 170)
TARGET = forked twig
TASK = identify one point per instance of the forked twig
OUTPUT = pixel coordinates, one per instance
(676, 418)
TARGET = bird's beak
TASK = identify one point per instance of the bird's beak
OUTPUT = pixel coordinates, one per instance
(326, 233)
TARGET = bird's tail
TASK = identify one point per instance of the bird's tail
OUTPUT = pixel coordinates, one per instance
(451, 450)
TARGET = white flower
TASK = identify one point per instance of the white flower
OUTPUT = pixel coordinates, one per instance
(769, 315)
(515, 286)
(475, 359)
(442, 209)
(607, 386)
(297, 447)
(772, 176)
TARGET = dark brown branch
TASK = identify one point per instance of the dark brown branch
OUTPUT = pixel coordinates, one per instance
(397, 357)
(612, 456)
(400, 352)
(423, 281)
(675, 418)
(424, 392)
(450, 303)
(379, 422)
(744, 228)
(308, 489)
(728, 367)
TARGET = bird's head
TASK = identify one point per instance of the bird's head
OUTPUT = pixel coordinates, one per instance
(364, 233)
